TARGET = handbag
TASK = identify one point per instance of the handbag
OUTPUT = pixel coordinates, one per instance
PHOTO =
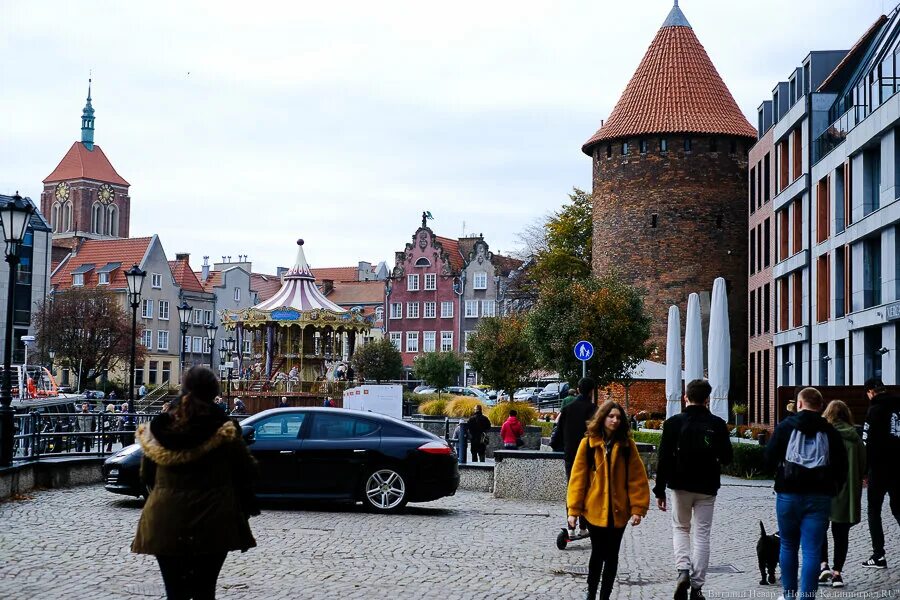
(556, 438)
(519, 442)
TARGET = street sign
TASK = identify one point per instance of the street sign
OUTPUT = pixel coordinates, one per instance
(584, 350)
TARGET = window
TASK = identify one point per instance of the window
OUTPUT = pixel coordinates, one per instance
(752, 313)
(784, 162)
(609, 151)
(823, 300)
(823, 206)
(423, 262)
(207, 317)
(663, 145)
(480, 281)
(430, 281)
(164, 310)
(197, 346)
(732, 147)
(713, 145)
(488, 308)
(752, 190)
(466, 336)
(341, 427)
(446, 310)
(642, 145)
(797, 298)
(97, 218)
(379, 313)
(767, 307)
(396, 310)
(412, 310)
(78, 279)
(767, 243)
(154, 366)
(412, 341)
(162, 340)
(872, 271)
(753, 250)
(166, 370)
(412, 283)
(156, 281)
(767, 191)
(103, 279)
(797, 151)
(248, 346)
(147, 339)
(624, 148)
(687, 144)
(397, 340)
(446, 341)
(284, 426)
(146, 308)
(797, 207)
(430, 310)
(654, 220)
(783, 324)
(186, 343)
(471, 309)
(871, 180)
(428, 341)
(237, 294)
(112, 220)
(198, 316)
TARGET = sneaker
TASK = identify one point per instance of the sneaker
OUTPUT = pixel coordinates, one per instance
(876, 563)
(825, 575)
(697, 594)
(583, 533)
(682, 584)
(837, 581)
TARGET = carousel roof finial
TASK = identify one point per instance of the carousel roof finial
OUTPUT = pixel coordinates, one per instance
(300, 269)
(298, 290)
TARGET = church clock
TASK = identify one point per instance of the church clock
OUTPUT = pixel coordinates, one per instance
(62, 191)
(106, 193)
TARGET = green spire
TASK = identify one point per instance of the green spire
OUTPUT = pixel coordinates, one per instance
(87, 122)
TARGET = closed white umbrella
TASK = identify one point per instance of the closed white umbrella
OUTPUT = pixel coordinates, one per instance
(673, 363)
(693, 341)
(719, 351)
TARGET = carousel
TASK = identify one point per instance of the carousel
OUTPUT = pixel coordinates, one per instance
(296, 343)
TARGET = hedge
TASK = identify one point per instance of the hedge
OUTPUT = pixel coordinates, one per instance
(748, 461)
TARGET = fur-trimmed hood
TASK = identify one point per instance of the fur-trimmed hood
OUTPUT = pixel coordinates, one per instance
(154, 450)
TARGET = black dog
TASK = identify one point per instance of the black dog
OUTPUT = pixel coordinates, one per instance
(767, 550)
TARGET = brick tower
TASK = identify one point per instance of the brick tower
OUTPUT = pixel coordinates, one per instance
(669, 184)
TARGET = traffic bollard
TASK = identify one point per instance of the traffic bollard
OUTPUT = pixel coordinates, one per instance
(461, 443)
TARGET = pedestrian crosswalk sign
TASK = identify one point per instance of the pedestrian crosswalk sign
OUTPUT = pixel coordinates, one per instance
(584, 350)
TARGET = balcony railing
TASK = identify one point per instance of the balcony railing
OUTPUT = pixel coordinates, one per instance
(837, 132)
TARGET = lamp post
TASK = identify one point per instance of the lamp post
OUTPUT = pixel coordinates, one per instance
(184, 316)
(14, 217)
(211, 336)
(229, 349)
(135, 279)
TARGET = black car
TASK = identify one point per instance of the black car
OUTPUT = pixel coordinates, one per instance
(329, 453)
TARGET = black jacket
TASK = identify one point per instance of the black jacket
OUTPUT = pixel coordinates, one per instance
(881, 433)
(478, 424)
(808, 422)
(573, 424)
(701, 480)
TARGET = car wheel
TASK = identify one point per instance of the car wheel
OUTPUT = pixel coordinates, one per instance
(384, 490)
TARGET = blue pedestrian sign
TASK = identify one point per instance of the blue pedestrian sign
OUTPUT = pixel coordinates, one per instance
(584, 350)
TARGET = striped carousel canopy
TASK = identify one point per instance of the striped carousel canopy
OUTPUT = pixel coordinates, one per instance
(299, 290)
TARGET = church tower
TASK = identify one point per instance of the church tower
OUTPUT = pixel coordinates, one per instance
(84, 197)
(669, 183)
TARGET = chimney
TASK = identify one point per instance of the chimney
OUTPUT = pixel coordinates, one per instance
(182, 256)
(281, 271)
(204, 274)
(364, 270)
(229, 258)
(327, 286)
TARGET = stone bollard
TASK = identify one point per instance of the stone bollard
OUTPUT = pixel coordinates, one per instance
(461, 442)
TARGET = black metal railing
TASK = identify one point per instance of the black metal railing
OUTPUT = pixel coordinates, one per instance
(42, 434)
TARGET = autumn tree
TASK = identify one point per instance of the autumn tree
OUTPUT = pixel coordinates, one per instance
(438, 369)
(89, 330)
(501, 352)
(605, 311)
(379, 360)
(562, 244)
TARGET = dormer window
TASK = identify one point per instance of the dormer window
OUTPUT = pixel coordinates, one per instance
(103, 278)
(78, 279)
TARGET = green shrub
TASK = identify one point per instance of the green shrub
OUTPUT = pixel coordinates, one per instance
(546, 427)
(647, 437)
(748, 462)
(528, 414)
(433, 408)
(462, 407)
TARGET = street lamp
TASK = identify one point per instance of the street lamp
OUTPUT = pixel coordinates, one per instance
(14, 218)
(135, 279)
(52, 354)
(228, 348)
(184, 316)
(211, 336)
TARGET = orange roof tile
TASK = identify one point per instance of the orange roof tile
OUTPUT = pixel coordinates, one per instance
(336, 273)
(451, 246)
(127, 252)
(675, 89)
(81, 163)
(184, 276)
(265, 286)
(350, 294)
(214, 279)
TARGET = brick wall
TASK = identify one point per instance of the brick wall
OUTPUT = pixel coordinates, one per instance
(648, 396)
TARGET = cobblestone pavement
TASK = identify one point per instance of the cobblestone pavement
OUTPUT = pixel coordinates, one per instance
(74, 543)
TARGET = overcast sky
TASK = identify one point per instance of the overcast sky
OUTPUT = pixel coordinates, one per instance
(243, 126)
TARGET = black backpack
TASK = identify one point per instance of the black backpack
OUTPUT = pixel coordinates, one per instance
(696, 450)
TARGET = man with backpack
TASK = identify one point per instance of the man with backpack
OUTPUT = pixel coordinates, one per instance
(693, 448)
(811, 467)
(881, 434)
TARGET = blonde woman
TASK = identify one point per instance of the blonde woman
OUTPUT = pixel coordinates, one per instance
(608, 486)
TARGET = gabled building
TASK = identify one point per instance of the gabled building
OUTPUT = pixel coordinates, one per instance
(198, 349)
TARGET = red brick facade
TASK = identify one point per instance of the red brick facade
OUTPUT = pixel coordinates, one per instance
(83, 194)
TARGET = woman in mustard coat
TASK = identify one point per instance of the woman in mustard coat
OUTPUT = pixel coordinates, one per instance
(609, 488)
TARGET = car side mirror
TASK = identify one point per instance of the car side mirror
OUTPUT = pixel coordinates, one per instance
(249, 433)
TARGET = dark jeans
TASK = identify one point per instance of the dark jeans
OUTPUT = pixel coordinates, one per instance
(604, 562)
(802, 521)
(478, 452)
(879, 486)
(191, 577)
(841, 533)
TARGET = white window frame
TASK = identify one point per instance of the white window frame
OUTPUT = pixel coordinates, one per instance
(488, 308)
(206, 345)
(163, 310)
(429, 311)
(396, 310)
(479, 281)
(103, 278)
(237, 294)
(445, 313)
(396, 338)
(78, 280)
(156, 281)
(147, 303)
(379, 313)
(207, 317)
(197, 345)
(186, 342)
(429, 343)
(466, 336)
(147, 339)
(162, 340)
(412, 282)
(412, 310)
(412, 341)
(446, 341)
(198, 316)
(248, 346)
(471, 309)
(430, 281)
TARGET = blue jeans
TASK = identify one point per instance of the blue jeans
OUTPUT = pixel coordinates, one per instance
(802, 521)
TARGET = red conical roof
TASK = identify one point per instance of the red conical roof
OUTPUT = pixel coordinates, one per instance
(676, 89)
